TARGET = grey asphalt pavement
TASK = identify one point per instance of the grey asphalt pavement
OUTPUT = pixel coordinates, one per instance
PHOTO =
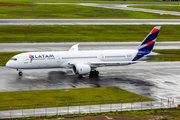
(156, 80)
(152, 79)
(82, 46)
(89, 21)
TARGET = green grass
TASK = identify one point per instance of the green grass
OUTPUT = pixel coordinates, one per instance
(62, 97)
(93, 1)
(5, 56)
(167, 8)
(28, 11)
(84, 33)
(167, 55)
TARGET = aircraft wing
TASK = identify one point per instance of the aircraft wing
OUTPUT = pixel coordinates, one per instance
(118, 63)
(101, 63)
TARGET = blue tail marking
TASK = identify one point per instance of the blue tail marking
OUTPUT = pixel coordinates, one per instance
(148, 43)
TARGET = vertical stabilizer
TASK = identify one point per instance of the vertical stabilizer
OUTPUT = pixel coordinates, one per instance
(148, 43)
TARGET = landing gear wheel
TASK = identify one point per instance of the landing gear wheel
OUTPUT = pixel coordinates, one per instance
(94, 74)
(20, 73)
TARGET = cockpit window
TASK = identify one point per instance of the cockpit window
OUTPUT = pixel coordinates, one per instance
(14, 59)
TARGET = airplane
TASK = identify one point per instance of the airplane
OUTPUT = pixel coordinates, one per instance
(85, 62)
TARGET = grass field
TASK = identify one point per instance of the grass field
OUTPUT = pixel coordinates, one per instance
(27, 11)
(93, 1)
(84, 33)
(167, 8)
(82, 96)
(167, 55)
(5, 56)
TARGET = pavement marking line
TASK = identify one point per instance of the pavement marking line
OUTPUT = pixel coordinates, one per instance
(108, 117)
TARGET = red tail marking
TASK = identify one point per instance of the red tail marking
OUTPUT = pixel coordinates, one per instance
(154, 30)
(151, 42)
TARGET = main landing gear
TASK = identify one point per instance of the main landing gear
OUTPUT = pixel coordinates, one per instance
(20, 72)
(94, 74)
(80, 76)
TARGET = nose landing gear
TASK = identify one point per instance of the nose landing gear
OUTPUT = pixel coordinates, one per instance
(20, 72)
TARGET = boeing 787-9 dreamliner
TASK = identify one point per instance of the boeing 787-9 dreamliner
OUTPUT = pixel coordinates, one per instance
(85, 62)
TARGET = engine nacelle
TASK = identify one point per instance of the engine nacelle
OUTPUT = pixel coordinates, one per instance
(81, 69)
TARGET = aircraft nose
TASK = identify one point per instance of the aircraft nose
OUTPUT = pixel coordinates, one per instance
(8, 64)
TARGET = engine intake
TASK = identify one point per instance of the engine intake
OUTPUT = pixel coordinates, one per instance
(81, 69)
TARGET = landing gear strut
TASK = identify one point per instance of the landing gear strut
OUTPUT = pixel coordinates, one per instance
(20, 72)
(94, 74)
(80, 76)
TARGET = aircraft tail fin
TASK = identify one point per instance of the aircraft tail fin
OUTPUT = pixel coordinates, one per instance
(149, 41)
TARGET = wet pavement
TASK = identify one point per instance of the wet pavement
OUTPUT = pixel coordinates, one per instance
(156, 80)
(89, 21)
(60, 46)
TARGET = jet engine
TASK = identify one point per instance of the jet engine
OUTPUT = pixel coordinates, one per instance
(81, 69)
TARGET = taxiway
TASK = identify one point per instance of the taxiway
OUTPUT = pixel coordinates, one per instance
(89, 21)
(60, 46)
(155, 80)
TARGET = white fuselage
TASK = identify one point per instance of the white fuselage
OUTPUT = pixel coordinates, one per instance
(85, 62)
(62, 59)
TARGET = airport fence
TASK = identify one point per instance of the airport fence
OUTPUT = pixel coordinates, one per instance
(83, 107)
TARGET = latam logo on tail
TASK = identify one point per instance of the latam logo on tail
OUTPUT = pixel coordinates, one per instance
(40, 57)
